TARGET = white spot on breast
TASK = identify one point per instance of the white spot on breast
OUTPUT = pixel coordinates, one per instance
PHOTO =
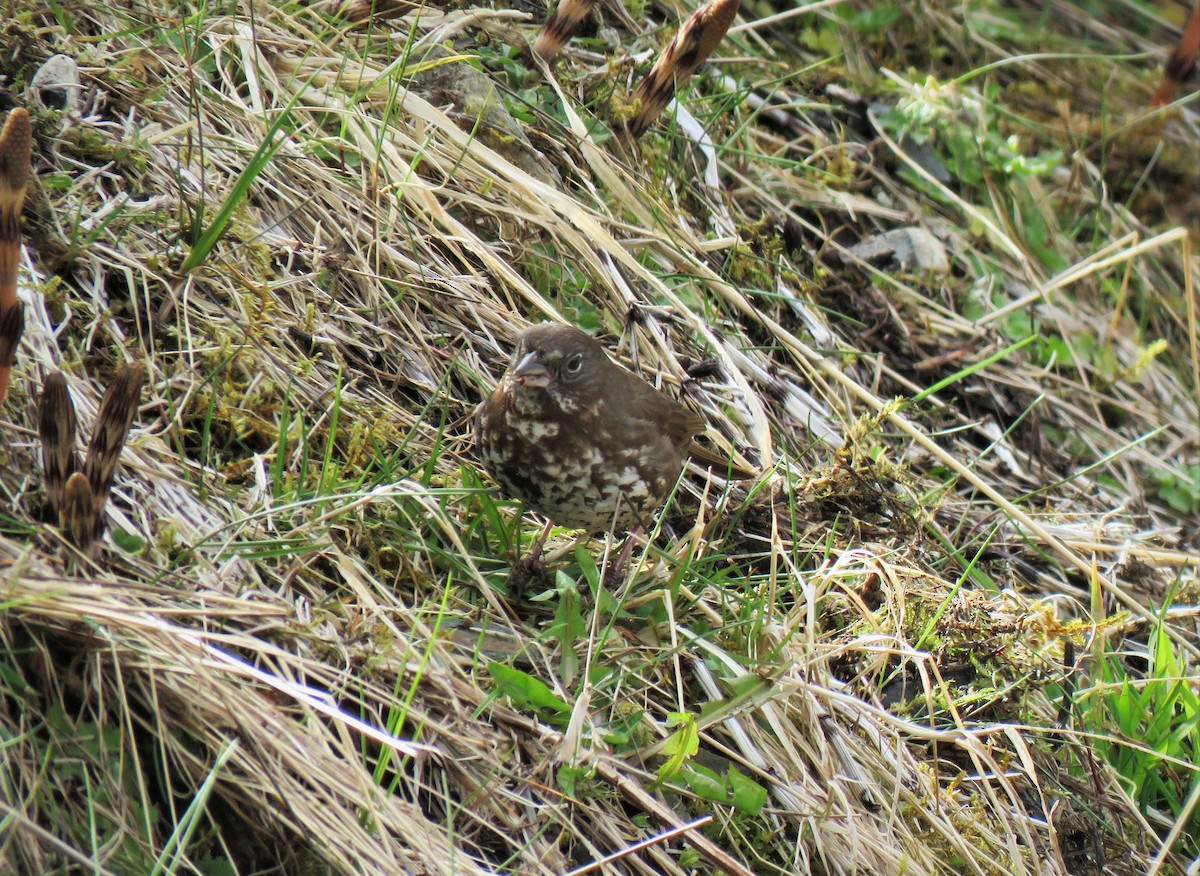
(535, 431)
(627, 477)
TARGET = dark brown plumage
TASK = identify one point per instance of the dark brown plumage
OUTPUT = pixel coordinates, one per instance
(580, 439)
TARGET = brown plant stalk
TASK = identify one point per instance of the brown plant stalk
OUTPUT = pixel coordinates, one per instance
(1182, 62)
(108, 437)
(76, 495)
(76, 514)
(16, 146)
(56, 428)
(696, 40)
(561, 26)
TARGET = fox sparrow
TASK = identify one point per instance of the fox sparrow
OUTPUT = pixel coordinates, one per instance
(580, 439)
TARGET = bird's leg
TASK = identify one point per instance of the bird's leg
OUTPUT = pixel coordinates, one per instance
(530, 566)
(614, 572)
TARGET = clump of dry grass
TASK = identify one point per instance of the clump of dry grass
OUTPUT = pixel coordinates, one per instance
(296, 649)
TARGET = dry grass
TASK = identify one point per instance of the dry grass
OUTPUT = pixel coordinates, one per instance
(288, 653)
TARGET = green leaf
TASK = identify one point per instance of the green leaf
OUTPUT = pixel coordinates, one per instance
(748, 795)
(128, 541)
(526, 691)
(569, 776)
(681, 745)
(705, 783)
(621, 731)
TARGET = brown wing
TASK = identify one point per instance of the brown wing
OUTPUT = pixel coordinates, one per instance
(682, 424)
(491, 411)
(719, 463)
(678, 422)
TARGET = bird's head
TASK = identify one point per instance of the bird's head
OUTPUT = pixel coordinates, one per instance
(561, 361)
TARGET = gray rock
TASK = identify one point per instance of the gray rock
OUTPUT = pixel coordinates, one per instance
(909, 250)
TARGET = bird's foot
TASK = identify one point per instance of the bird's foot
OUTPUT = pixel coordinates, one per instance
(527, 570)
(614, 571)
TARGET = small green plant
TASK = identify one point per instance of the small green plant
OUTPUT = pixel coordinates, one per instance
(84, 758)
(1180, 491)
(681, 746)
(960, 124)
(734, 788)
(968, 133)
(1157, 717)
(528, 692)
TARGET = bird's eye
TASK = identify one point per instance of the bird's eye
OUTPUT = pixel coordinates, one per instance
(573, 366)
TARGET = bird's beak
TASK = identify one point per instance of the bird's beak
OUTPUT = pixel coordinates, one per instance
(530, 372)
